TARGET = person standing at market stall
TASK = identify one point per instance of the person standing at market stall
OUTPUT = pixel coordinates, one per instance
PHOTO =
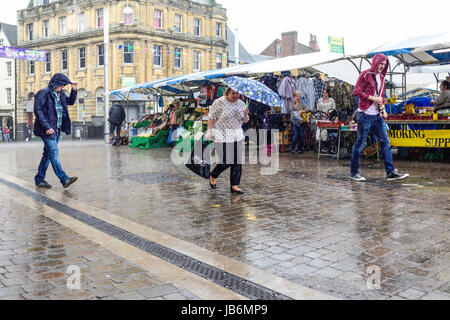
(326, 104)
(298, 123)
(370, 90)
(116, 117)
(226, 116)
(176, 118)
(52, 118)
(443, 101)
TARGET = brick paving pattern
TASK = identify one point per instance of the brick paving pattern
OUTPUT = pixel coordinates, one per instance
(35, 253)
(309, 223)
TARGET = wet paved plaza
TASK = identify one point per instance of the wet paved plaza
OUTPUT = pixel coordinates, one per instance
(308, 224)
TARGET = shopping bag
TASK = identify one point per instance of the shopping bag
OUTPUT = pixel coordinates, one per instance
(200, 164)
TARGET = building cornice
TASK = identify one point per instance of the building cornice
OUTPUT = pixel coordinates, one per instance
(51, 9)
(136, 30)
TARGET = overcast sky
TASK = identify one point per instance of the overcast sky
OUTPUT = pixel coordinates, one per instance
(363, 24)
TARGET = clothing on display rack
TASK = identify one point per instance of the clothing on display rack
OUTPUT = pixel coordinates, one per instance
(306, 87)
(319, 86)
(270, 81)
(286, 92)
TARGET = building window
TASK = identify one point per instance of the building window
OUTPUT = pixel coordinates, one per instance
(81, 22)
(46, 30)
(99, 15)
(62, 25)
(30, 67)
(48, 63)
(219, 30)
(100, 103)
(9, 69)
(64, 59)
(82, 57)
(30, 31)
(197, 63)
(158, 19)
(128, 52)
(197, 25)
(278, 49)
(218, 61)
(101, 55)
(157, 58)
(196, 60)
(128, 15)
(178, 27)
(178, 58)
(8, 96)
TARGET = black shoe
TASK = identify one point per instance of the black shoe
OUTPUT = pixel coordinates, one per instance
(394, 176)
(69, 182)
(44, 185)
(236, 192)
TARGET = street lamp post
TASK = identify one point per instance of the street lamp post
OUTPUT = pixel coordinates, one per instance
(106, 54)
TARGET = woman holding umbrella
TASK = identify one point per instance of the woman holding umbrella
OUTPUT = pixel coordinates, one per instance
(226, 116)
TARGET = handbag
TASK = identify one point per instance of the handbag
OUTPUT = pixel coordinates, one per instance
(198, 164)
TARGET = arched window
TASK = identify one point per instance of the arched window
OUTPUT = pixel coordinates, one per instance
(128, 15)
(100, 102)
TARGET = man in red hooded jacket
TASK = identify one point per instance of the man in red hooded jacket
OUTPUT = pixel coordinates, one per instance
(370, 90)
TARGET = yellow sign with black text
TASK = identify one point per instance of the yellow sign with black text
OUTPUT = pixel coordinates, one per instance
(420, 138)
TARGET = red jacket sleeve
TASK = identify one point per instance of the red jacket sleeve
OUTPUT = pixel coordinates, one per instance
(359, 87)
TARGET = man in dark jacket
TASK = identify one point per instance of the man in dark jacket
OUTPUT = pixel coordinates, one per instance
(52, 118)
(116, 117)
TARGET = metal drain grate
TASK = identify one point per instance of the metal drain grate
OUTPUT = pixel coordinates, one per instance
(153, 178)
(237, 284)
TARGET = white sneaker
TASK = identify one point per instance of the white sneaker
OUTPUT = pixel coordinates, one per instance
(357, 177)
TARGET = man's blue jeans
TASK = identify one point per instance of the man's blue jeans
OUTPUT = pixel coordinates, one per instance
(365, 123)
(51, 155)
(298, 136)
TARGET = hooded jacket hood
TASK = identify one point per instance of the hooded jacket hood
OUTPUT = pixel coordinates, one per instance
(57, 80)
(377, 59)
(365, 86)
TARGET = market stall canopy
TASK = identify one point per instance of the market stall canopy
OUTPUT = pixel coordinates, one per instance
(417, 51)
(188, 83)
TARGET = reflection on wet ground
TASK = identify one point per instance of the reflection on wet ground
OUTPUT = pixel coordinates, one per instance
(308, 223)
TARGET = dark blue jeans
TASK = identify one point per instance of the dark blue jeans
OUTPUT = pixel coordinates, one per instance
(298, 137)
(365, 124)
(51, 155)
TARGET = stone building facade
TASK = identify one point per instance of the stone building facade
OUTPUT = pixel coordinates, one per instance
(149, 40)
(8, 37)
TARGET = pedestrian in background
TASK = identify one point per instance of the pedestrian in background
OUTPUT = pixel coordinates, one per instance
(52, 118)
(298, 123)
(116, 117)
(5, 132)
(176, 119)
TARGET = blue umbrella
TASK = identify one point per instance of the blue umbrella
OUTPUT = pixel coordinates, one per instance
(254, 90)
